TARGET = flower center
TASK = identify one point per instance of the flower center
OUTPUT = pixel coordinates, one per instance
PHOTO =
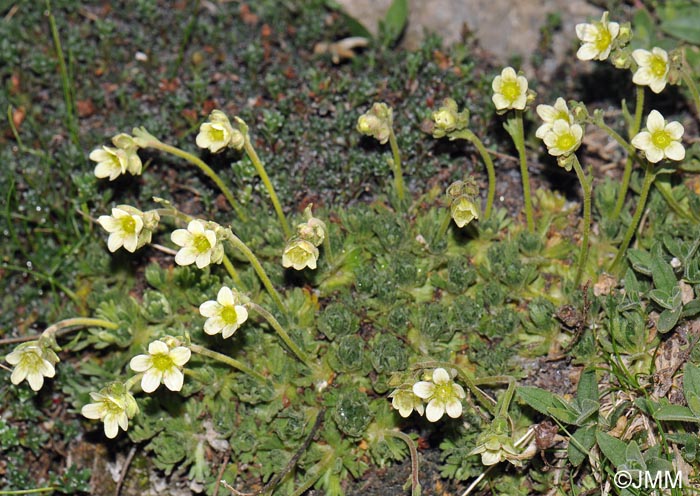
(444, 392)
(217, 133)
(510, 90)
(112, 405)
(201, 243)
(658, 66)
(562, 115)
(162, 361)
(128, 224)
(661, 139)
(32, 360)
(229, 314)
(566, 141)
(603, 39)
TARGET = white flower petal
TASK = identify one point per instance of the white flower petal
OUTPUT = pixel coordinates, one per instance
(675, 151)
(225, 297)
(214, 325)
(181, 237)
(654, 154)
(158, 347)
(180, 355)
(434, 411)
(186, 256)
(440, 376)
(423, 389)
(241, 314)
(209, 308)
(173, 379)
(655, 121)
(35, 380)
(92, 411)
(195, 227)
(202, 259)
(18, 375)
(151, 380)
(675, 130)
(454, 408)
(111, 426)
(141, 363)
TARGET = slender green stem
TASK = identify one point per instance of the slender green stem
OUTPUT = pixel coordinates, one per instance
(227, 360)
(208, 171)
(688, 79)
(321, 468)
(282, 333)
(649, 177)
(587, 186)
(30, 491)
(614, 135)
(78, 322)
(247, 253)
(253, 156)
(133, 380)
(490, 170)
(444, 225)
(415, 482)
(627, 173)
(504, 403)
(398, 174)
(666, 192)
(232, 271)
(65, 80)
(519, 140)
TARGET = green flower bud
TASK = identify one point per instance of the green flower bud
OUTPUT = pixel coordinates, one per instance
(376, 122)
(463, 211)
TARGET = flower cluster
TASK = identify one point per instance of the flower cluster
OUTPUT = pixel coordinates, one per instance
(447, 120)
(114, 405)
(226, 314)
(120, 159)
(462, 196)
(302, 250)
(441, 394)
(218, 133)
(32, 361)
(128, 227)
(376, 122)
(560, 131)
(162, 364)
(199, 244)
(495, 445)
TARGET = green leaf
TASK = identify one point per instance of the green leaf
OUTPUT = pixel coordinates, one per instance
(634, 455)
(539, 399)
(641, 261)
(395, 21)
(675, 413)
(587, 408)
(583, 439)
(587, 387)
(668, 319)
(681, 20)
(662, 274)
(691, 387)
(613, 449)
(643, 29)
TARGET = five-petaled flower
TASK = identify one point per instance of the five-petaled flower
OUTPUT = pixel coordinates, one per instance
(597, 38)
(405, 401)
(653, 68)
(124, 228)
(225, 315)
(509, 90)
(550, 114)
(661, 139)
(198, 244)
(162, 364)
(111, 162)
(218, 133)
(32, 361)
(114, 405)
(442, 394)
(299, 254)
(563, 138)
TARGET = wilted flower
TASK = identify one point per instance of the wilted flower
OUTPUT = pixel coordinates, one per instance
(376, 122)
(550, 114)
(405, 401)
(494, 445)
(509, 90)
(463, 211)
(128, 227)
(162, 364)
(218, 133)
(597, 38)
(114, 405)
(442, 394)
(564, 138)
(447, 119)
(313, 230)
(198, 244)
(32, 361)
(653, 68)
(299, 254)
(127, 143)
(225, 315)
(660, 139)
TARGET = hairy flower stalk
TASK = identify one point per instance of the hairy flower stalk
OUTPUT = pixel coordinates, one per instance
(661, 140)
(260, 168)
(627, 172)
(510, 92)
(146, 140)
(378, 122)
(300, 354)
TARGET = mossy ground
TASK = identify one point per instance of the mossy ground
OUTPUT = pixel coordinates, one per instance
(128, 67)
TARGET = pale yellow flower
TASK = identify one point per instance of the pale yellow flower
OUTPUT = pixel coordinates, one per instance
(114, 405)
(199, 245)
(225, 315)
(550, 114)
(162, 364)
(653, 68)
(405, 401)
(563, 138)
(442, 394)
(660, 139)
(597, 38)
(509, 90)
(299, 254)
(32, 362)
